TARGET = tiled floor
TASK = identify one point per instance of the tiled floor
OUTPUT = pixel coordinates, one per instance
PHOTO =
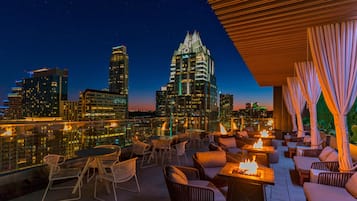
(153, 187)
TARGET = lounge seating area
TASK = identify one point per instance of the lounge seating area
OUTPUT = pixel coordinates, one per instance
(323, 159)
(152, 179)
(332, 186)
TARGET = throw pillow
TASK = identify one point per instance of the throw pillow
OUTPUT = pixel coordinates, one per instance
(325, 152)
(351, 185)
(333, 156)
(177, 175)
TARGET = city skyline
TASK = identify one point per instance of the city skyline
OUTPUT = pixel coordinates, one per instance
(79, 36)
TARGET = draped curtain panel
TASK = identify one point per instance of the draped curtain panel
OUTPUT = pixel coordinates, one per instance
(298, 102)
(334, 53)
(289, 105)
(311, 90)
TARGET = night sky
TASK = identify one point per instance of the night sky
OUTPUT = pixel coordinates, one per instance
(78, 35)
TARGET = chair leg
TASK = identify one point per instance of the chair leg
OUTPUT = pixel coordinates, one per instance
(48, 186)
(137, 183)
(95, 190)
(115, 193)
(89, 178)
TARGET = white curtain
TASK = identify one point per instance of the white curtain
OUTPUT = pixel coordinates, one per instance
(298, 102)
(311, 90)
(334, 52)
(289, 105)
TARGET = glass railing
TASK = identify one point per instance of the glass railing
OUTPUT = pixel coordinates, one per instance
(23, 144)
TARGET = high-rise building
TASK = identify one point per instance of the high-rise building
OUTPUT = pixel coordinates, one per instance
(15, 102)
(119, 71)
(43, 91)
(225, 106)
(161, 102)
(99, 105)
(69, 110)
(191, 91)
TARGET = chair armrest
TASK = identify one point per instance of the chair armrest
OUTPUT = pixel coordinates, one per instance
(311, 152)
(61, 160)
(198, 166)
(338, 179)
(328, 165)
(190, 172)
(224, 147)
(234, 158)
(191, 192)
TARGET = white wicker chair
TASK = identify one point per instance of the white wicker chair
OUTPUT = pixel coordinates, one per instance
(106, 160)
(122, 171)
(181, 151)
(56, 173)
(141, 149)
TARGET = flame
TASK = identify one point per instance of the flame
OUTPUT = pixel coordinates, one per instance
(249, 166)
(163, 127)
(222, 129)
(264, 133)
(259, 144)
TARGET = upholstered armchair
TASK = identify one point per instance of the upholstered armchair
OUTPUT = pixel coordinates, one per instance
(229, 144)
(332, 186)
(209, 164)
(183, 184)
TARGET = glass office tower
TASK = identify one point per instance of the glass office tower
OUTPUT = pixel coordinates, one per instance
(43, 91)
(191, 92)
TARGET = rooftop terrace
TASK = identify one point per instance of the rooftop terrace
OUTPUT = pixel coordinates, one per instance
(153, 186)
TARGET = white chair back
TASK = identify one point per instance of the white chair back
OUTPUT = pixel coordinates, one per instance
(181, 148)
(112, 156)
(53, 161)
(124, 170)
(139, 148)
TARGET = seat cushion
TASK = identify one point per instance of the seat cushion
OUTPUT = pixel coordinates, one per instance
(304, 163)
(234, 150)
(319, 192)
(325, 152)
(218, 196)
(351, 185)
(314, 174)
(212, 172)
(212, 158)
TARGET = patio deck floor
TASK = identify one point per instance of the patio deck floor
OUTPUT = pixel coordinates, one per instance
(153, 186)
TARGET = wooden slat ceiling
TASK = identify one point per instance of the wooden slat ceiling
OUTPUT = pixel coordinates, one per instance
(271, 35)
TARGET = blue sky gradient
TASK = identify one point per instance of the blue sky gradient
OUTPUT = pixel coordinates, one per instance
(78, 35)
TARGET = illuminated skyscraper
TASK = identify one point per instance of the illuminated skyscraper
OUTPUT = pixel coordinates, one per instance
(191, 91)
(99, 105)
(43, 91)
(119, 71)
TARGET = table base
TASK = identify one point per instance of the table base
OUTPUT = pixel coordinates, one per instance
(242, 191)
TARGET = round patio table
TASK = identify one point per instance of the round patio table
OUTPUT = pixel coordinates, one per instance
(93, 155)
